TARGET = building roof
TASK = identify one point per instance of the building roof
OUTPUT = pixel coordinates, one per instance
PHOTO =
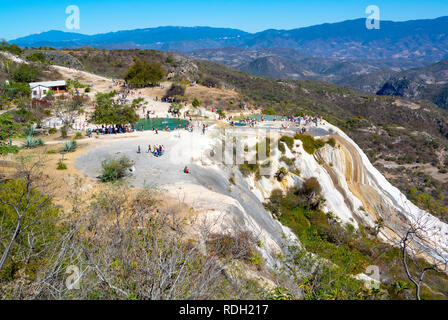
(48, 84)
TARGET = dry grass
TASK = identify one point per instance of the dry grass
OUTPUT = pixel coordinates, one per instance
(218, 98)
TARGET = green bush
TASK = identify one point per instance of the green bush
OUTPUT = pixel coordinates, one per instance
(7, 149)
(247, 169)
(330, 241)
(281, 148)
(240, 245)
(25, 73)
(64, 131)
(108, 112)
(52, 131)
(210, 82)
(312, 186)
(61, 166)
(51, 151)
(13, 48)
(332, 142)
(36, 57)
(78, 135)
(143, 73)
(115, 169)
(310, 144)
(41, 217)
(221, 113)
(256, 259)
(289, 141)
(75, 84)
(269, 112)
(196, 103)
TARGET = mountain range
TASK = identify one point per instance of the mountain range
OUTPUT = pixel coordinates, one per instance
(293, 64)
(419, 40)
(400, 59)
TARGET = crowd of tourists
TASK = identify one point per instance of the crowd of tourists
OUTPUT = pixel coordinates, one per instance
(298, 121)
(114, 129)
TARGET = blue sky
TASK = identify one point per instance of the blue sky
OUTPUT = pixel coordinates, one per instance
(19, 18)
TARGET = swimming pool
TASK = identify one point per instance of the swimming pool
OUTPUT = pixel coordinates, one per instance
(160, 123)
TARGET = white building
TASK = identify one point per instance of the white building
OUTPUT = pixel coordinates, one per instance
(40, 89)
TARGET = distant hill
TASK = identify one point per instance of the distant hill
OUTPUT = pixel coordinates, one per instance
(368, 83)
(294, 64)
(417, 39)
(421, 40)
(430, 83)
(162, 38)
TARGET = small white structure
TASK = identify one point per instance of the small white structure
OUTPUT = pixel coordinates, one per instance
(40, 89)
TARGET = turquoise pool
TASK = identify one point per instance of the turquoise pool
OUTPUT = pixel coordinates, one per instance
(160, 123)
(266, 117)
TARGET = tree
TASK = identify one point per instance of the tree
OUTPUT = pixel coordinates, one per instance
(114, 169)
(175, 108)
(143, 73)
(419, 254)
(269, 111)
(107, 112)
(8, 127)
(15, 90)
(26, 214)
(128, 246)
(13, 48)
(142, 252)
(211, 82)
(136, 103)
(68, 108)
(25, 73)
(176, 92)
(311, 194)
(221, 113)
(36, 57)
(196, 103)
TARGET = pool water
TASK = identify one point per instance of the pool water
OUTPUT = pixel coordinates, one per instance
(258, 117)
(239, 124)
(266, 117)
(160, 123)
